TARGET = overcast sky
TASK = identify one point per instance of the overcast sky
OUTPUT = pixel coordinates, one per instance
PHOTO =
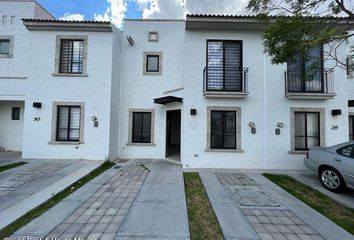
(116, 10)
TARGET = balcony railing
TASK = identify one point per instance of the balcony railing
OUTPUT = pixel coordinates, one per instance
(312, 81)
(220, 79)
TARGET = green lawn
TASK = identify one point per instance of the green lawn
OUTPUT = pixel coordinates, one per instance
(12, 165)
(28, 217)
(338, 213)
(203, 223)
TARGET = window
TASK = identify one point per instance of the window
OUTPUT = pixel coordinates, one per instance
(4, 46)
(223, 130)
(141, 127)
(347, 151)
(224, 66)
(351, 128)
(71, 56)
(305, 71)
(153, 36)
(15, 113)
(68, 123)
(307, 130)
(152, 63)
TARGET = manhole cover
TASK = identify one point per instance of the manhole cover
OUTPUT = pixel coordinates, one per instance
(252, 196)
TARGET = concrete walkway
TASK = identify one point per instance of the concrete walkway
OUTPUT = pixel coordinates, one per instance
(25, 187)
(159, 211)
(131, 202)
(248, 206)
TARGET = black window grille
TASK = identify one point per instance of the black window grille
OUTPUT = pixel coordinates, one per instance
(68, 123)
(141, 127)
(71, 56)
(223, 130)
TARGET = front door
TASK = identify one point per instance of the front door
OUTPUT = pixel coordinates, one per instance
(173, 135)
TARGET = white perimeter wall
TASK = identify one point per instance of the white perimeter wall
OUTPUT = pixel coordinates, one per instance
(11, 131)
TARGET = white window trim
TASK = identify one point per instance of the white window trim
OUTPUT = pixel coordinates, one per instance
(130, 127)
(238, 129)
(57, 55)
(53, 139)
(11, 50)
(321, 111)
(159, 73)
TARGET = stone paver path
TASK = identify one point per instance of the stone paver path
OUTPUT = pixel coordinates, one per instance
(268, 212)
(144, 199)
(25, 187)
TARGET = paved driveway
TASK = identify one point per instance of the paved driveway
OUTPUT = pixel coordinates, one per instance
(27, 186)
(141, 200)
(249, 206)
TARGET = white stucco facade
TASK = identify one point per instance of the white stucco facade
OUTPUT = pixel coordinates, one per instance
(115, 84)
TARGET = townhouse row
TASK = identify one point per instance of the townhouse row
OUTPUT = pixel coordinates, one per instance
(200, 91)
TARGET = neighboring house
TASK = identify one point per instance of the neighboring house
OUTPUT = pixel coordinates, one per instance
(200, 91)
(59, 78)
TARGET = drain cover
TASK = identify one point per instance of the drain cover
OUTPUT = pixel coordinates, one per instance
(252, 196)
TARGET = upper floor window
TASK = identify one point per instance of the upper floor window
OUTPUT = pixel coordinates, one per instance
(224, 70)
(6, 46)
(152, 63)
(305, 71)
(153, 36)
(71, 56)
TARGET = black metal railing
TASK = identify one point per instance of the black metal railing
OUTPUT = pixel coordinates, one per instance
(298, 80)
(225, 79)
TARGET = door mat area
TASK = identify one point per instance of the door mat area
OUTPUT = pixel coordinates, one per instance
(252, 196)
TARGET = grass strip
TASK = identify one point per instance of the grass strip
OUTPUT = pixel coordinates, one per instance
(36, 212)
(203, 223)
(333, 210)
(12, 165)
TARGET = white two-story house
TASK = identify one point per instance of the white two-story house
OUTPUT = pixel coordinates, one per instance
(200, 91)
(56, 84)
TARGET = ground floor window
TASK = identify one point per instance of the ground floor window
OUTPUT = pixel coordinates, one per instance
(351, 128)
(68, 123)
(223, 130)
(141, 127)
(15, 113)
(307, 130)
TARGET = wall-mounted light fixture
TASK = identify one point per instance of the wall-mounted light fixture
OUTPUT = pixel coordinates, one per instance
(336, 112)
(280, 124)
(252, 125)
(193, 111)
(130, 40)
(37, 105)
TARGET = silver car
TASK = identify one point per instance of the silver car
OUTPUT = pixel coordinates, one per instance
(334, 165)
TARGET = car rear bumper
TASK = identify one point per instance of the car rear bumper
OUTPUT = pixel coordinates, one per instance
(310, 164)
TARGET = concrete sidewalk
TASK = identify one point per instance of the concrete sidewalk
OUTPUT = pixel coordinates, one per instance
(25, 187)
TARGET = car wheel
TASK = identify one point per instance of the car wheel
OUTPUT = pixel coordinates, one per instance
(332, 180)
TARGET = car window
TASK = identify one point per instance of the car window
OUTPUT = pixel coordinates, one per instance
(347, 151)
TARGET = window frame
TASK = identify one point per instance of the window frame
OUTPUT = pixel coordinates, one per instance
(237, 128)
(306, 131)
(142, 127)
(70, 69)
(11, 46)
(322, 128)
(145, 64)
(55, 115)
(241, 64)
(223, 129)
(58, 55)
(130, 127)
(13, 113)
(150, 39)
